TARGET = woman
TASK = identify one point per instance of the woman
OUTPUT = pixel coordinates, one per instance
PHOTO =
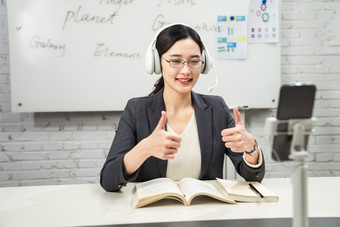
(175, 132)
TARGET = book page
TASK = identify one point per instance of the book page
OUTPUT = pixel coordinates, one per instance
(242, 188)
(157, 186)
(239, 187)
(192, 186)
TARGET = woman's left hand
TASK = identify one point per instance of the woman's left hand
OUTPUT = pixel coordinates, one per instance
(237, 138)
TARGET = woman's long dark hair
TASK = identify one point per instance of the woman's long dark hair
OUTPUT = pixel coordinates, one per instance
(167, 38)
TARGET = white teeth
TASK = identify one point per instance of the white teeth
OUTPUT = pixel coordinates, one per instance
(184, 80)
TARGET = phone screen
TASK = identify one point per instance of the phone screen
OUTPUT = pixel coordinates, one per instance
(296, 102)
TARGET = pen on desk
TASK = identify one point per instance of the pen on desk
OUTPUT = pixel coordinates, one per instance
(255, 190)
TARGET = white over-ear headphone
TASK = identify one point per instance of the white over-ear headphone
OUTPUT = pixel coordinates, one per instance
(153, 61)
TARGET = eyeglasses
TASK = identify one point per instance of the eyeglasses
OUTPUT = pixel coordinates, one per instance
(177, 63)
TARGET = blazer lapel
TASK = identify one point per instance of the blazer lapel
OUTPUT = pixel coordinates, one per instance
(203, 115)
(154, 114)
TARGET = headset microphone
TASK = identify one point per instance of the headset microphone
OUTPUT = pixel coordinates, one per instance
(210, 89)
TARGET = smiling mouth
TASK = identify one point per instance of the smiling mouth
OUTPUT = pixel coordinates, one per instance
(184, 80)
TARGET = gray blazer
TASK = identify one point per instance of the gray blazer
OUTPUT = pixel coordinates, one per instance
(139, 119)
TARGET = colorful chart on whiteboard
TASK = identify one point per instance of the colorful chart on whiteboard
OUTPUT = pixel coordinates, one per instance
(232, 37)
(263, 23)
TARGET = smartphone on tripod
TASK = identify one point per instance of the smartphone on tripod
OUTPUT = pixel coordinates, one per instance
(296, 101)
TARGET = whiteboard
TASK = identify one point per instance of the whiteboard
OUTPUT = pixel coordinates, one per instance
(88, 55)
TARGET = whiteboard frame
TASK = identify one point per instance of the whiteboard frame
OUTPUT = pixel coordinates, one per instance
(42, 81)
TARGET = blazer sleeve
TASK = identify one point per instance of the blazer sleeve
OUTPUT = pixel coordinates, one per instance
(113, 174)
(244, 170)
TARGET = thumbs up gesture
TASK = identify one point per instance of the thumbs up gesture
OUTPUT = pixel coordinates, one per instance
(237, 138)
(162, 122)
(160, 143)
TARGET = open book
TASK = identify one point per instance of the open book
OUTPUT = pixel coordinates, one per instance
(185, 191)
(241, 191)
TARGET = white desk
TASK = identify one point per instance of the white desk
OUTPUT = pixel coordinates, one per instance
(90, 205)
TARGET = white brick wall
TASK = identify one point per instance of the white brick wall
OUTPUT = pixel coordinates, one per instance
(311, 53)
(67, 148)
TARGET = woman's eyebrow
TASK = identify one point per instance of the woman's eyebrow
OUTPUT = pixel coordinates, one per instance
(176, 55)
(179, 55)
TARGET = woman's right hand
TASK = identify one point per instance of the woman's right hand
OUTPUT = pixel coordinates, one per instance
(160, 143)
